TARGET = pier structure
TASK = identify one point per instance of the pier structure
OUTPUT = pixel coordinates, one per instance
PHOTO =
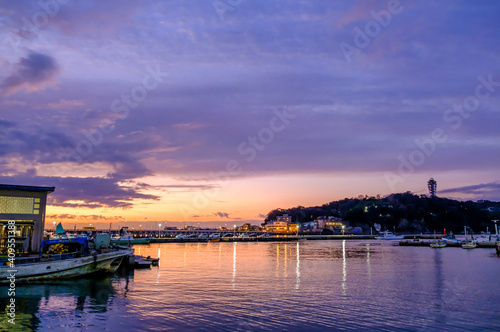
(22, 216)
(163, 233)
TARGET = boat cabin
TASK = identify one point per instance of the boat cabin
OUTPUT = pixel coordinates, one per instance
(70, 246)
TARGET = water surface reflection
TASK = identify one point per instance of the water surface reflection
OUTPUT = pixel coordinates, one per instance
(72, 303)
(313, 285)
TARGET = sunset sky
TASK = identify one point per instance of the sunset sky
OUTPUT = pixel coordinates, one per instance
(219, 111)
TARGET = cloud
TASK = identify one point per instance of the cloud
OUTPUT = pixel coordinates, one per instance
(34, 143)
(65, 104)
(61, 216)
(30, 73)
(6, 124)
(487, 191)
(14, 103)
(79, 218)
(221, 214)
(225, 82)
(88, 192)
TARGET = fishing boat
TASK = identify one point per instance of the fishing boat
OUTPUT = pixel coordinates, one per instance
(438, 244)
(451, 239)
(142, 262)
(469, 243)
(389, 236)
(65, 258)
(125, 238)
(489, 237)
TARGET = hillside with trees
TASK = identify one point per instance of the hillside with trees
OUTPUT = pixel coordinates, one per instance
(404, 212)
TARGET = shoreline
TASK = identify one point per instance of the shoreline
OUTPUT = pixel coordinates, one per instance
(423, 241)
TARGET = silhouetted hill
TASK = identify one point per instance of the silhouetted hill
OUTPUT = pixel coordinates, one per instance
(403, 212)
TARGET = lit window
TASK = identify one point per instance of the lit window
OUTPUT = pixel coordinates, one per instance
(17, 205)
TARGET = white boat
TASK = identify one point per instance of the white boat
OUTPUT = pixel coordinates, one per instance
(64, 268)
(389, 236)
(64, 264)
(469, 244)
(438, 244)
(487, 237)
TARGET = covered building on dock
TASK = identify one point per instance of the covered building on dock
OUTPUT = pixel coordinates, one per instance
(22, 216)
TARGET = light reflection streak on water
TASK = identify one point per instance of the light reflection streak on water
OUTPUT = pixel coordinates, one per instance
(424, 294)
(234, 264)
(158, 273)
(285, 270)
(368, 263)
(344, 270)
(297, 270)
(220, 252)
(277, 260)
(185, 255)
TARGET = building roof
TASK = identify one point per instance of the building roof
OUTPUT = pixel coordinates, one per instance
(27, 188)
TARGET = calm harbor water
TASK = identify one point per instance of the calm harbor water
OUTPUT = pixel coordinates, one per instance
(307, 285)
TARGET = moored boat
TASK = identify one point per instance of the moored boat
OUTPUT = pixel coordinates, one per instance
(128, 239)
(389, 236)
(469, 244)
(64, 258)
(438, 244)
(145, 262)
(451, 239)
(487, 237)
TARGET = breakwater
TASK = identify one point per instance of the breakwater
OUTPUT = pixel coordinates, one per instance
(281, 238)
(427, 243)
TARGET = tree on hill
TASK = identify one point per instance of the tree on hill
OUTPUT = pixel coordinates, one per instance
(404, 212)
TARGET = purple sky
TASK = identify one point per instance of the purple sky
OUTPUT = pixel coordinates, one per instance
(127, 105)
